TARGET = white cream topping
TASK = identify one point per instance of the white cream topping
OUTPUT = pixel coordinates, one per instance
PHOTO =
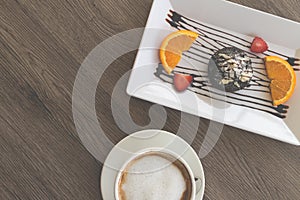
(235, 68)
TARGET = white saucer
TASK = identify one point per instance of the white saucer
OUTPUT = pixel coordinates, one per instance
(140, 141)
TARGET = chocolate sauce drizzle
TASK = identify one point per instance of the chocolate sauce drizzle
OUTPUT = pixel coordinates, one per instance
(213, 37)
(211, 40)
(202, 87)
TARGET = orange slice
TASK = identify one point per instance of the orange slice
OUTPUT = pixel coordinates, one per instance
(283, 79)
(172, 47)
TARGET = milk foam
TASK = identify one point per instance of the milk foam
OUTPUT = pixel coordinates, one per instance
(153, 177)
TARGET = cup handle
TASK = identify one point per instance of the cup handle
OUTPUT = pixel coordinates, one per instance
(198, 182)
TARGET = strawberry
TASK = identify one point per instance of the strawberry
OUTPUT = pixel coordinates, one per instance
(182, 81)
(259, 45)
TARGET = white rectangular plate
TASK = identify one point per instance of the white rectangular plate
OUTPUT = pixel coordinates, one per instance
(281, 35)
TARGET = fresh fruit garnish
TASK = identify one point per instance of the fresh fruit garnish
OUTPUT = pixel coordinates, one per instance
(172, 47)
(283, 79)
(259, 45)
(182, 81)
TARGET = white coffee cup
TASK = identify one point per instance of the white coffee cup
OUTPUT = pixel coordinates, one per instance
(192, 182)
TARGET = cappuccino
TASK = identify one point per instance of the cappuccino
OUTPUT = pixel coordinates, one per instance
(153, 176)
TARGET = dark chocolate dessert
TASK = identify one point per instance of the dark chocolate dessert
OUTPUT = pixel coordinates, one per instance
(230, 69)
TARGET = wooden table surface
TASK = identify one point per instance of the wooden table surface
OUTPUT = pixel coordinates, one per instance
(43, 44)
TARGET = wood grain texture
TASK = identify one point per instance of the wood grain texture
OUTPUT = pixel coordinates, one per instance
(42, 45)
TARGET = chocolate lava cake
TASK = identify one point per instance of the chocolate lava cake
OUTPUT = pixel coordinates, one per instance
(230, 69)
